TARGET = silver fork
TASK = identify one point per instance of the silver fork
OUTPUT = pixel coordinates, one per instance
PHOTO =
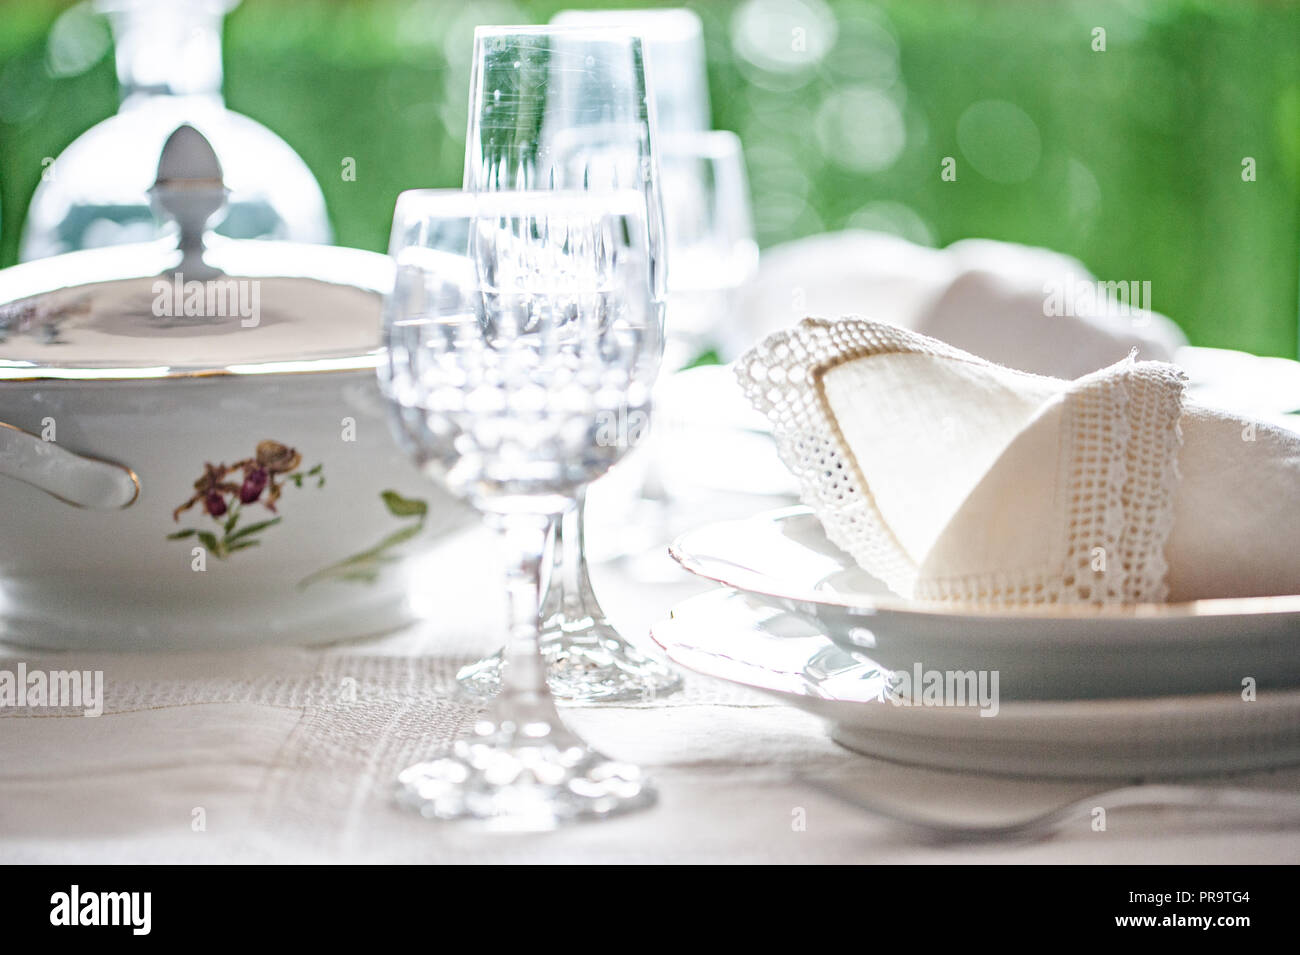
(1265, 807)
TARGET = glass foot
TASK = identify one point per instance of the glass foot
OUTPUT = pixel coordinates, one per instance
(595, 665)
(527, 778)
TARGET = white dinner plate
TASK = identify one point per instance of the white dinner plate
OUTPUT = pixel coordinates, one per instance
(737, 638)
(783, 559)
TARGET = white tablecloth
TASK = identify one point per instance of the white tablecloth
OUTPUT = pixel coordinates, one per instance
(288, 755)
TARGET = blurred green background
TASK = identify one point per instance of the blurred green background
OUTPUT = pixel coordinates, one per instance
(1128, 158)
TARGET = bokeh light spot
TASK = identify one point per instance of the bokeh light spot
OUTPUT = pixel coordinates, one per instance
(860, 129)
(1082, 196)
(865, 53)
(783, 36)
(999, 140)
(78, 40)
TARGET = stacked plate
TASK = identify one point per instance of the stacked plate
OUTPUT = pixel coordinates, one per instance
(1151, 690)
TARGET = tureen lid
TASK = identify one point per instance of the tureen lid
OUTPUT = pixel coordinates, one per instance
(120, 313)
(194, 304)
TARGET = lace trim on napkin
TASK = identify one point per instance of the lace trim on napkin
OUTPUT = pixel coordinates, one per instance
(1118, 466)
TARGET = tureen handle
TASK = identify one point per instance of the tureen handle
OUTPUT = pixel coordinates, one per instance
(72, 478)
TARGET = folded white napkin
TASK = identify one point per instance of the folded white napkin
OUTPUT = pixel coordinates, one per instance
(998, 300)
(952, 478)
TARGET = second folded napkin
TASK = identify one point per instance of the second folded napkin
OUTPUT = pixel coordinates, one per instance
(954, 479)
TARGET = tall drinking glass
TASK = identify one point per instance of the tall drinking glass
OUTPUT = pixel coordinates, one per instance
(710, 235)
(673, 41)
(519, 323)
(567, 109)
(710, 232)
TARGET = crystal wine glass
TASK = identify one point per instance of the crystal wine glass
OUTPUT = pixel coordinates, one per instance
(568, 109)
(519, 324)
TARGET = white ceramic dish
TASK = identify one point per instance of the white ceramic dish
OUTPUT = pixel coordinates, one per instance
(96, 461)
(783, 558)
(223, 475)
(737, 638)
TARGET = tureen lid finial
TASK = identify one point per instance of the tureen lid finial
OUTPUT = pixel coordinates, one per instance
(189, 189)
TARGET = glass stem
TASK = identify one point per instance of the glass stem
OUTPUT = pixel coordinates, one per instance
(570, 601)
(586, 594)
(523, 678)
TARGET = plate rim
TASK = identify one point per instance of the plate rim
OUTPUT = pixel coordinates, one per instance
(867, 605)
(1120, 707)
